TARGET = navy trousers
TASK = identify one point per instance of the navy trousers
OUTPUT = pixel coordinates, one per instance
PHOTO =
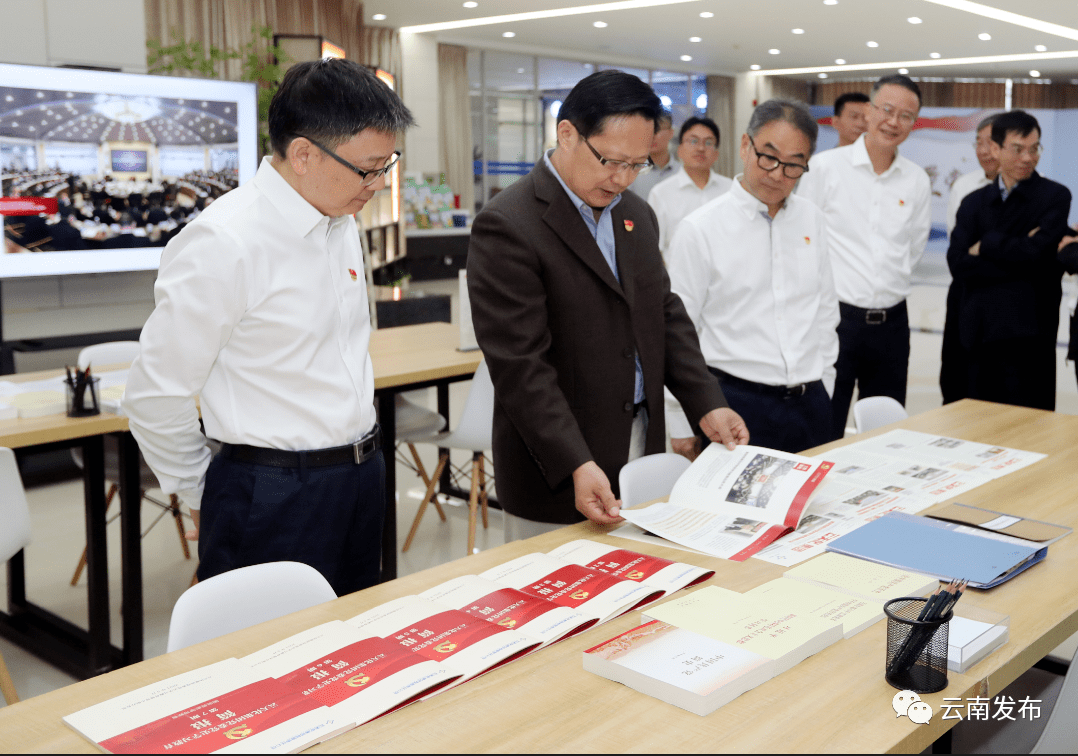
(327, 517)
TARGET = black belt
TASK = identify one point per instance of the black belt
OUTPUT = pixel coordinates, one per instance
(786, 392)
(871, 317)
(356, 453)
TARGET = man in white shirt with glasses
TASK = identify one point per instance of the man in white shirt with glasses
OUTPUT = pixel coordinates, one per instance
(878, 210)
(752, 268)
(262, 313)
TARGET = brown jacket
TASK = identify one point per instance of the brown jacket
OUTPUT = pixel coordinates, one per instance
(559, 334)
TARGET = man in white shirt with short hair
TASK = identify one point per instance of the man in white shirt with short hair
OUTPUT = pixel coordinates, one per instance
(663, 166)
(878, 210)
(261, 312)
(753, 272)
(695, 184)
(970, 182)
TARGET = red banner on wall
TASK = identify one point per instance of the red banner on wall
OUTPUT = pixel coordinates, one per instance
(27, 205)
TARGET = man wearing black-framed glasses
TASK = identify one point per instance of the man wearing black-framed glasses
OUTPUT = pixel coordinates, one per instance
(262, 312)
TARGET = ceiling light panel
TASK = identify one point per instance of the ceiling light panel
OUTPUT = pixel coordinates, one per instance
(541, 14)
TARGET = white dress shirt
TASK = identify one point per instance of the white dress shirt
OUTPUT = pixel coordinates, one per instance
(759, 290)
(962, 187)
(262, 312)
(675, 197)
(877, 224)
(643, 185)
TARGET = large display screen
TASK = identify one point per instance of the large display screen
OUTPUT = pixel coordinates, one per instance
(127, 160)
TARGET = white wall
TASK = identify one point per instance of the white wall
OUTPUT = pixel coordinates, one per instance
(56, 32)
(419, 90)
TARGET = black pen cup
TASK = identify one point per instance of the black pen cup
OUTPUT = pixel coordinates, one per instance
(916, 649)
(83, 398)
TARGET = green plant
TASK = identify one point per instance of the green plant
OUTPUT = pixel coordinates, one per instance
(260, 62)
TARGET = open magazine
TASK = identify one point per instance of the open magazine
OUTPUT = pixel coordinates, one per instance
(731, 504)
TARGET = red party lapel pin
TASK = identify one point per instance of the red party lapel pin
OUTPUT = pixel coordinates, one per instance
(629, 226)
(352, 273)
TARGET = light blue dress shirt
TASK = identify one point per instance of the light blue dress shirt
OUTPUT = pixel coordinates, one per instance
(602, 231)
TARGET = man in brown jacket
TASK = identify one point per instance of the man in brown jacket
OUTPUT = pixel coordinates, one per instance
(573, 311)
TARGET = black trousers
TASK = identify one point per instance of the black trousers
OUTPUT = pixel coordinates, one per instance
(327, 517)
(1015, 371)
(954, 358)
(789, 423)
(873, 355)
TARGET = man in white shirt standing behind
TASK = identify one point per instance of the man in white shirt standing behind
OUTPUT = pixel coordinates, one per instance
(970, 182)
(262, 313)
(753, 271)
(877, 205)
(695, 184)
(662, 165)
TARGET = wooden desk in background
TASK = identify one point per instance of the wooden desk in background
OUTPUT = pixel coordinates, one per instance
(835, 701)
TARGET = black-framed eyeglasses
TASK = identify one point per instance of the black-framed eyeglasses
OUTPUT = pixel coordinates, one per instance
(618, 166)
(368, 177)
(770, 163)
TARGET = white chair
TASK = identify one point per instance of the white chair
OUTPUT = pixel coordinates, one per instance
(650, 477)
(473, 434)
(244, 597)
(876, 411)
(416, 424)
(1060, 734)
(14, 537)
(113, 353)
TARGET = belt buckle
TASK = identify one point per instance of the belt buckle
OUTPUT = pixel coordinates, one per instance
(366, 446)
(875, 317)
(798, 390)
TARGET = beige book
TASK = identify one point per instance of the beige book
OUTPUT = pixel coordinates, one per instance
(785, 634)
(852, 613)
(38, 403)
(862, 578)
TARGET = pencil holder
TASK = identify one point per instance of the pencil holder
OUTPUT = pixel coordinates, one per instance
(916, 649)
(82, 398)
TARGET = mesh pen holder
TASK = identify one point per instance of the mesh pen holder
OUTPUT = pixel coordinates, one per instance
(916, 649)
(83, 400)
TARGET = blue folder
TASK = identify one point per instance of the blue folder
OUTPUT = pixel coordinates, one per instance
(932, 547)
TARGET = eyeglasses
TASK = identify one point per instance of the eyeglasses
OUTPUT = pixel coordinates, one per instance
(709, 144)
(619, 166)
(770, 163)
(1018, 150)
(904, 117)
(368, 177)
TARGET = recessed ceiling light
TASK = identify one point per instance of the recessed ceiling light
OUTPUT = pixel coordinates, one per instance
(933, 55)
(872, 44)
(903, 70)
(798, 31)
(830, 2)
(707, 14)
(379, 17)
(520, 70)
(914, 20)
(694, 39)
(600, 24)
(774, 51)
(984, 36)
(471, 4)
(1035, 74)
(840, 61)
(509, 34)
(754, 67)
(822, 76)
(1041, 48)
(686, 58)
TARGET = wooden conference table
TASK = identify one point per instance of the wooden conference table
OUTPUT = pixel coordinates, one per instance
(405, 358)
(835, 701)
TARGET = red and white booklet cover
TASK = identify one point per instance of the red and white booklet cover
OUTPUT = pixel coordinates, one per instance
(589, 592)
(661, 574)
(467, 645)
(359, 678)
(535, 617)
(226, 707)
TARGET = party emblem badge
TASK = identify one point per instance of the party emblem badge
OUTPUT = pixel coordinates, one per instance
(352, 273)
(358, 681)
(808, 240)
(635, 575)
(628, 225)
(579, 595)
(445, 648)
(238, 733)
(901, 203)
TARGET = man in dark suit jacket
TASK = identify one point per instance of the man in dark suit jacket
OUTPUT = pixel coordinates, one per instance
(1003, 308)
(573, 311)
(1068, 257)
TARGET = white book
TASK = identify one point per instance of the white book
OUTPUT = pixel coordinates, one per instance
(683, 668)
(226, 707)
(662, 574)
(356, 676)
(8, 411)
(535, 617)
(589, 592)
(465, 644)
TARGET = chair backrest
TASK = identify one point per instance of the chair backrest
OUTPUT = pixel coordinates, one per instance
(244, 597)
(109, 353)
(475, 430)
(876, 411)
(1060, 734)
(14, 511)
(649, 478)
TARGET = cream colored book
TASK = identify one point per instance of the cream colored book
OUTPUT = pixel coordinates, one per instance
(786, 634)
(862, 578)
(852, 613)
(38, 403)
